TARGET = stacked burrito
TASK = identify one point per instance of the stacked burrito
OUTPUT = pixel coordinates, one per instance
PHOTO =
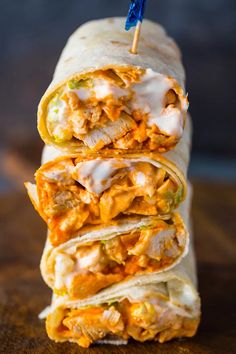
(113, 190)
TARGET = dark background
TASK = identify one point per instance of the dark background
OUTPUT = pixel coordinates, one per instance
(33, 33)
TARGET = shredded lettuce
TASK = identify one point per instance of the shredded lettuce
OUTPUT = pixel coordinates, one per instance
(74, 84)
(179, 196)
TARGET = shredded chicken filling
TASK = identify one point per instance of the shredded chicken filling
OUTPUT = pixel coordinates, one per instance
(153, 319)
(133, 188)
(92, 267)
(118, 108)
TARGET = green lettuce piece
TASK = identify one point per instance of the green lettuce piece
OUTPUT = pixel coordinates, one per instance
(74, 84)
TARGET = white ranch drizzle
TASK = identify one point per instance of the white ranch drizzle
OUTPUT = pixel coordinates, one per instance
(103, 88)
(99, 174)
(150, 96)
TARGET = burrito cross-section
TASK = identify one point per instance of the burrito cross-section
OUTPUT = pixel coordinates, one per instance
(103, 96)
(73, 192)
(99, 257)
(153, 307)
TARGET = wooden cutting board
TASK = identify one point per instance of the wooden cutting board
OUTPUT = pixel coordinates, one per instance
(23, 294)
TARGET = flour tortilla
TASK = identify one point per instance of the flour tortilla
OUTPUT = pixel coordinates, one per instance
(93, 234)
(180, 282)
(104, 44)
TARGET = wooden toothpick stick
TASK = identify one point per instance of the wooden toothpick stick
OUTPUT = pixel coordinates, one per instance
(136, 38)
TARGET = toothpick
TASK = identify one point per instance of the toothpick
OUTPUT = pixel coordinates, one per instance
(136, 38)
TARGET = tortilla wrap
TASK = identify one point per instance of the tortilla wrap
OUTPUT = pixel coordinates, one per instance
(126, 309)
(101, 95)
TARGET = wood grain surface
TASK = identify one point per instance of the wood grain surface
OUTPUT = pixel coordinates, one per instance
(23, 294)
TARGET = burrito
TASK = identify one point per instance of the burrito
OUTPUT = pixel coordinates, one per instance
(147, 307)
(99, 257)
(101, 95)
(74, 192)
